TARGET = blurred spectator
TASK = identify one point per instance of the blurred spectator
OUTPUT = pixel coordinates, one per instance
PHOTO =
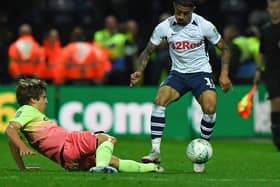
(114, 41)
(234, 12)
(27, 58)
(105, 65)
(249, 49)
(161, 64)
(82, 66)
(132, 45)
(229, 33)
(5, 38)
(53, 65)
(244, 49)
(258, 17)
(209, 9)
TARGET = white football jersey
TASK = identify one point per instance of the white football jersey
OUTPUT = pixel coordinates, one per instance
(187, 44)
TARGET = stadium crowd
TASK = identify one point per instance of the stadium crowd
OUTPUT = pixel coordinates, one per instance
(93, 42)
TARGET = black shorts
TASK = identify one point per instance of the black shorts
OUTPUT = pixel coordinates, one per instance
(272, 83)
(194, 82)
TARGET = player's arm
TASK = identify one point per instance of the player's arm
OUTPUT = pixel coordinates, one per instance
(225, 58)
(259, 68)
(17, 146)
(142, 62)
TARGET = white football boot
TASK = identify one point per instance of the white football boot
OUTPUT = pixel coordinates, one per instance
(158, 169)
(103, 169)
(152, 157)
(198, 168)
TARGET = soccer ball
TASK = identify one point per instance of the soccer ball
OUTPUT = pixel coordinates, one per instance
(199, 150)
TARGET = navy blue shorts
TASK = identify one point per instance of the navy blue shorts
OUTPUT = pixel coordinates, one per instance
(194, 82)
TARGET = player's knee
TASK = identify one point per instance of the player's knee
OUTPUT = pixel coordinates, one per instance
(114, 140)
(161, 102)
(105, 137)
(210, 109)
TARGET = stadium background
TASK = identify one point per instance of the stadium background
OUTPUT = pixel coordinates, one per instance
(89, 14)
(65, 14)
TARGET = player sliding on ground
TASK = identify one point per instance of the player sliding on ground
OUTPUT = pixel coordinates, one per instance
(76, 150)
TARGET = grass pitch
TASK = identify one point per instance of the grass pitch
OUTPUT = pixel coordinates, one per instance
(234, 163)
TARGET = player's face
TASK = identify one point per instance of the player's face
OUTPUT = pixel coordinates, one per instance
(274, 11)
(183, 14)
(42, 102)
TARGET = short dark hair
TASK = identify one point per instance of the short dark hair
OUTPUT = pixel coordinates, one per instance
(28, 88)
(187, 3)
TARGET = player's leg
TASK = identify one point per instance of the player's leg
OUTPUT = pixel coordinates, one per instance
(104, 153)
(133, 166)
(203, 88)
(165, 96)
(275, 121)
(272, 85)
(208, 101)
(170, 90)
(81, 145)
(205, 93)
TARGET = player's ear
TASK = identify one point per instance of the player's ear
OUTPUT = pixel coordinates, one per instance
(194, 8)
(33, 100)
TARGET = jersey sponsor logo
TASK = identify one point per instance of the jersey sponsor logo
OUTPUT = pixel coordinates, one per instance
(184, 45)
(45, 118)
(18, 113)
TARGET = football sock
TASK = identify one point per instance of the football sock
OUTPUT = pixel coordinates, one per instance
(156, 144)
(207, 125)
(133, 166)
(275, 128)
(104, 153)
(157, 126)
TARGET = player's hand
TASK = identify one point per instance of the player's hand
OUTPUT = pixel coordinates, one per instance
(225, 83)
(32, 168)
(257, 77)
(135, 77)
(26, 151)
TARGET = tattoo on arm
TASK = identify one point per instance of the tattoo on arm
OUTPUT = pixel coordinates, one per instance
(144, 58)
(225, 53)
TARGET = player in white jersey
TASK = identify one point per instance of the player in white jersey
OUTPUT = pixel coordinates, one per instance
(187, 35)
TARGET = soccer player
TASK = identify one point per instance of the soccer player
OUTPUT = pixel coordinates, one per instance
(269, 56)
(187, 35)
(76, 150)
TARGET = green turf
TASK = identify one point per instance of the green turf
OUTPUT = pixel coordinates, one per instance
(235, 163)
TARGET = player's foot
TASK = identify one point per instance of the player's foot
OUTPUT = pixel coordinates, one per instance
(103, 169)
(198, 168)
(152, 157)
(159, 169)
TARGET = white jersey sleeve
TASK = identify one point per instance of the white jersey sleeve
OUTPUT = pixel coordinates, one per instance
(210, 31)
(158, 34)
